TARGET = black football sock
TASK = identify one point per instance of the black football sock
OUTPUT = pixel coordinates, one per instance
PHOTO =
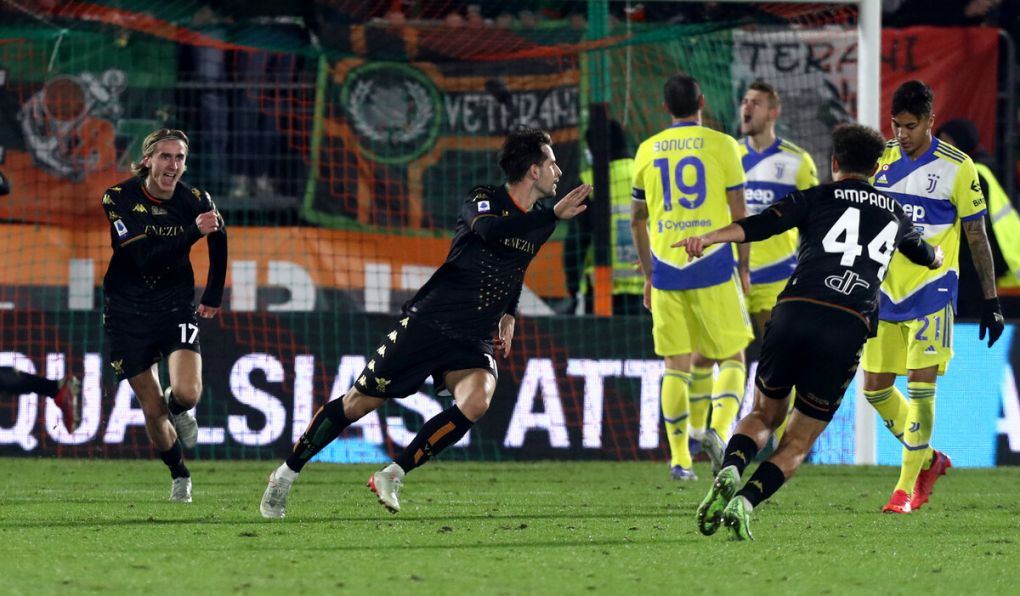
(740, 451)
(441, 431)
(327, 425)
(174, 459)
(15, 382)
(174, 406)
(764, 483)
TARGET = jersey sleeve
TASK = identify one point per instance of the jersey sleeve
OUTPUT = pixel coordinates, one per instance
(788, 213)
(733, 168)
(126, 227)
(967, 196)
(807, 174)
(640, 165)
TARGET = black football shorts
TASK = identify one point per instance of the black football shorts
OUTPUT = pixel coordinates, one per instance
(812, 347)
(412, 351)
(137, 341)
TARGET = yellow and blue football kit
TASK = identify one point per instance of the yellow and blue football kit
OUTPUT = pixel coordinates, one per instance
(938, 190)
(683, 174)
(772, 174)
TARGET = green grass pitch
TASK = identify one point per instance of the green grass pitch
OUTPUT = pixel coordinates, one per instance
(105, 527)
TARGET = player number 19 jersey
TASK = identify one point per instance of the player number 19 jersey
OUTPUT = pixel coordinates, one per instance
(683, 174)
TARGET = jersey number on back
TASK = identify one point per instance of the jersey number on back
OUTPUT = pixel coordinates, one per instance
(686, 166)
(844, 235)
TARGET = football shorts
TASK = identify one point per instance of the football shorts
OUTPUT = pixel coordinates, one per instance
(411, 352)
(762, 297)
(901, 346)
(812, 347)
(711, 321)
(137, 341)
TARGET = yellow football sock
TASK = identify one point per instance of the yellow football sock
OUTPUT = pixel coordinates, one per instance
(676, 411)
(701, 400)
(921, 420)
(727, 393)
(892, 407)
(782, 427)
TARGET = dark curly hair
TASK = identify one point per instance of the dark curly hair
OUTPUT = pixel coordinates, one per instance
(857, 148)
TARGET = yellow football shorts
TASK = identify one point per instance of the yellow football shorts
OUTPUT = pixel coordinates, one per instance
(712, 321)
(763, 296)
(911, 345)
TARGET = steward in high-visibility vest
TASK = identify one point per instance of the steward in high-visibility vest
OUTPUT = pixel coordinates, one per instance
(1005, 226)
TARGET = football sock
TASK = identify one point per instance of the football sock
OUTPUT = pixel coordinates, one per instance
(701, 400)
(174, 459)
(442, 430)
(778, 433)
(174, 406)
(740, 452)
(892, 407)
(676, 412)
(727, 393)
(921, 420)
(327, 425)
(764, 483)
(15, 382)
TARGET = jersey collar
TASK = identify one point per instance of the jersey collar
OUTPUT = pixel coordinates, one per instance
(512, 199)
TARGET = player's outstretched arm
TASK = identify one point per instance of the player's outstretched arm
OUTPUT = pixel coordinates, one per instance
(696, 245)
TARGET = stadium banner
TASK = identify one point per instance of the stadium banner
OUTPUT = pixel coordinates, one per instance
(564, 393)
(427, 132)
(818, 70)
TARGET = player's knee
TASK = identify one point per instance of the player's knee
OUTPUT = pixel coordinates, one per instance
(357, 404)
(187, 394)
(475, 405)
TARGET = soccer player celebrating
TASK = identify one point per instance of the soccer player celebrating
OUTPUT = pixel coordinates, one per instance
(685, 178)
(775, 167)
(937, 186)
(848, 234)
(446, 328)
(150, 287)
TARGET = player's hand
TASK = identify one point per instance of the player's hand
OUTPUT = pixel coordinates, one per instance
(939, 257)
(991, 321)
(208, 312)
(208, 222)
(648, 294)
(571, 205)
(506, 334)
(695, 246)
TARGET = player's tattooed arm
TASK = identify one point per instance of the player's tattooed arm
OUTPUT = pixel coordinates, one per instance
(981, 253)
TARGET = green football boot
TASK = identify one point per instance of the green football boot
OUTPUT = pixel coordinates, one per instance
(710, 511)
(737, 517)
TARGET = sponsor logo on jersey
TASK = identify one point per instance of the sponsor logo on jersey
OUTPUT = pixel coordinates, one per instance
(139, 208)
(107, 200)
(846, 283)
(157, 210)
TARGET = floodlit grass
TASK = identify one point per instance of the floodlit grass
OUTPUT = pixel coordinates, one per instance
(89, 526)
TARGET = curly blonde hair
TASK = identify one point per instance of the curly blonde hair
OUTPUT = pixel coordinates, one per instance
(149, 147)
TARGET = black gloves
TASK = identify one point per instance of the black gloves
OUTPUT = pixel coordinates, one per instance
(991, 320)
